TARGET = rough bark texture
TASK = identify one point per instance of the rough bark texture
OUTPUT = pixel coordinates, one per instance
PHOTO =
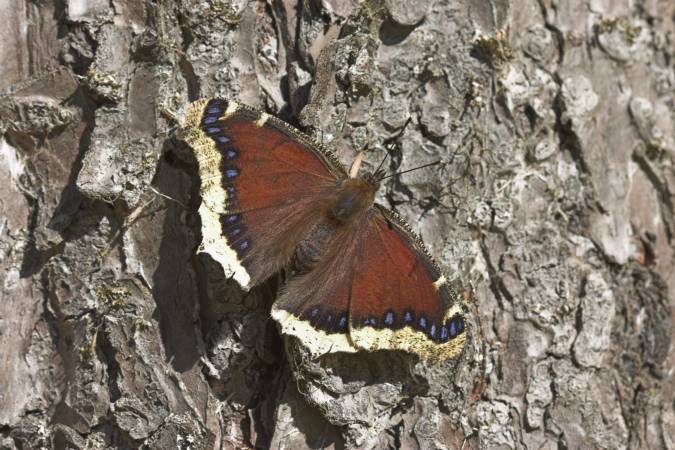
(554, 205)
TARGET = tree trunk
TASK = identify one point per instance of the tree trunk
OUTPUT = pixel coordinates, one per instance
(554, 206)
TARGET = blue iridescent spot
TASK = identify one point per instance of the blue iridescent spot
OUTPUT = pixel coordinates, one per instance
(389, 318)
(208, 120)
(343, 322)
(212, 130)
(460, 324)
(244, 245)
(423, 322)
(223, 140)
(453, 328)
(233, 232)
(329, 318)
(231, 218)
(231, 173)
(230, 154)
(432, 332)
(314, 312)
(231, 190)
(444, 333)
(408, 317)
(213, 110)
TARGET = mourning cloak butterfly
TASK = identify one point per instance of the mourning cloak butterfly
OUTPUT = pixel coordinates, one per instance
(272, 200)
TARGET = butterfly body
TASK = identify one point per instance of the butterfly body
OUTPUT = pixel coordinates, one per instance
(273, 200)
(352, 200)
(311, 249)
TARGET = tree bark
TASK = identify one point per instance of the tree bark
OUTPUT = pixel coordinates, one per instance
(553, 206)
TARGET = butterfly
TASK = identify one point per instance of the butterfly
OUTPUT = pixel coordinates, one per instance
(273, 200)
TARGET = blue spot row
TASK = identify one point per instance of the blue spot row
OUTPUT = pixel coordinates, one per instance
(235, 231)
(451, 329)
(212, 114)
(233, 226)
(330, 321)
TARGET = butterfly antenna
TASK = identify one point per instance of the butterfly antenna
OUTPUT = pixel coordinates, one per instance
(390, 141)
(353, 171)
(381, 163)
(410, 170)
(401, 131)
(399, 134)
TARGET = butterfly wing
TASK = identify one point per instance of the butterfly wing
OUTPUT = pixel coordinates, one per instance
(377, 288)
(314, 306)
(405, 303)
(260, 181)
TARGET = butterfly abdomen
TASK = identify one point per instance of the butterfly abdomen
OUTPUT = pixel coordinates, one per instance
(312, 248)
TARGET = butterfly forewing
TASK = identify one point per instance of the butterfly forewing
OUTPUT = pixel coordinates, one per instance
(261, 182)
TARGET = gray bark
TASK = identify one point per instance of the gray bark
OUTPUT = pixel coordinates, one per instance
(553, 206)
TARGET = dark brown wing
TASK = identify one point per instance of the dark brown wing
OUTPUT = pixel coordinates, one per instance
(376, 288)
(260, 184)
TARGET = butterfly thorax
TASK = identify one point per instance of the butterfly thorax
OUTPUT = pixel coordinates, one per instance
(348, 203)
(352, 199)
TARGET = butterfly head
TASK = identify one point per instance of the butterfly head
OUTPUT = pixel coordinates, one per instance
(353, 197)
(374, 178)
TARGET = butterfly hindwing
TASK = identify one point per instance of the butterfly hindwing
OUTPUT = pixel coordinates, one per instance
(314, 306)
(401, 300)
(375, 288)
(259, 181)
